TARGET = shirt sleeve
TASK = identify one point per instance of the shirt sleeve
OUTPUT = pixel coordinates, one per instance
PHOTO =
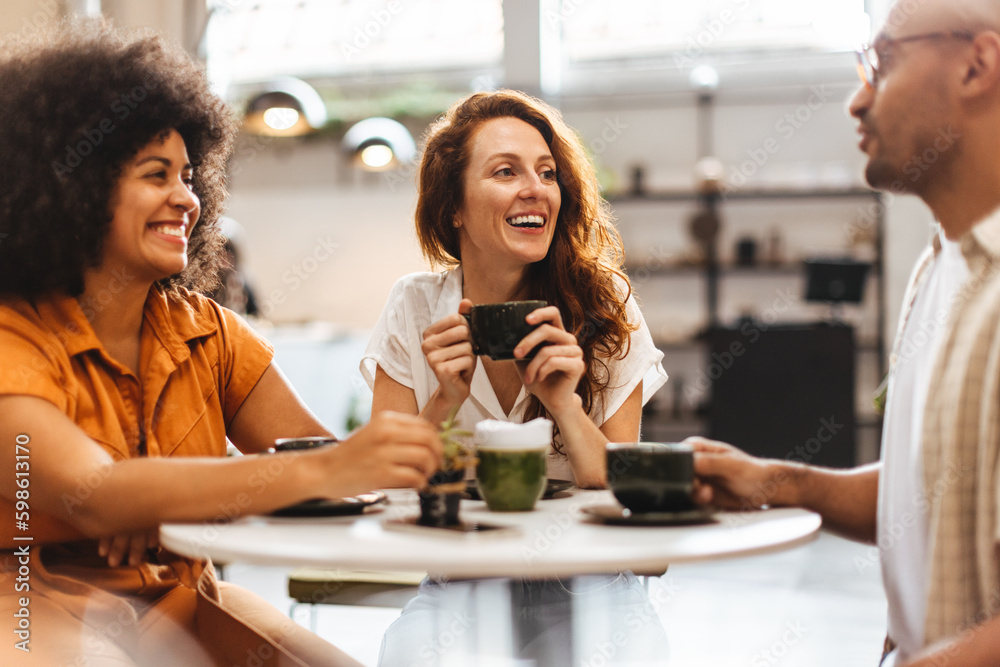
(387, 347)
(33, 364)
(244, 355)
(643, 363)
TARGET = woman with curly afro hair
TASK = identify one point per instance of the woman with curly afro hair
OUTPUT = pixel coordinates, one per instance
(120, 382)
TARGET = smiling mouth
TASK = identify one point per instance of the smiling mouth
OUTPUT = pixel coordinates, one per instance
(170, 230)
(526, 221)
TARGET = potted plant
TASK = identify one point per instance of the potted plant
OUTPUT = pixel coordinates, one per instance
(439, 500)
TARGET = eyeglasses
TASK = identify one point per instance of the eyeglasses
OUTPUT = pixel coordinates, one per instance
(868, 60)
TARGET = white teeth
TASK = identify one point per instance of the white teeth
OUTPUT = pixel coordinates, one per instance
(169, 230)
(526, 220)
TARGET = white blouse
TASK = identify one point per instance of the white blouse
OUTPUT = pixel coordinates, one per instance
(420, 299)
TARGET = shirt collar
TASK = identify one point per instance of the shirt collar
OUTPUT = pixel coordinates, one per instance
(172, 320)
(450, 295)
(983, 239)
(175, 322)
(64, 316)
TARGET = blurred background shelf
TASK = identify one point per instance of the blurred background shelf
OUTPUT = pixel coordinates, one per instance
(799, 363)
(740, 194)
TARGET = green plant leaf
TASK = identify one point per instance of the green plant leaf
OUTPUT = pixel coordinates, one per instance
(457, 455)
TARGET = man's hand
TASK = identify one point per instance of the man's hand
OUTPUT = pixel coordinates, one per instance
(732, 479)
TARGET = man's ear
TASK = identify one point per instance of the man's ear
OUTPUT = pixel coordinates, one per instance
(982, 73)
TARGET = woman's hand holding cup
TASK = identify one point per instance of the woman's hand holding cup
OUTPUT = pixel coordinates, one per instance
(447, 346)
(555, 371)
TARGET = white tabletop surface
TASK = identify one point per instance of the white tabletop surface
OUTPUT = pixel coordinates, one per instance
(554, 540)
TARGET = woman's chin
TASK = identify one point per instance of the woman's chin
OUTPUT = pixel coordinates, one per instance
(533, 253)
(165, 270)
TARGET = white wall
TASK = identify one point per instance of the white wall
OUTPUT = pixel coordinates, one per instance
(21, 16)
(322, 242)
(180, 20)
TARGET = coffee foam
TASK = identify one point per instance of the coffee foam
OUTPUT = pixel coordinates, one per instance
(494, 434)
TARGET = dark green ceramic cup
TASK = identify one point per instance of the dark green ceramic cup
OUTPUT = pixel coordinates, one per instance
(651, 476)
(497, 328)
(511, 479)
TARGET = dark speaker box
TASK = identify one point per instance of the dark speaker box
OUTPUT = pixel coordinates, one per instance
(784, 391)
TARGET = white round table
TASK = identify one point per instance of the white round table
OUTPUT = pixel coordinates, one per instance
(554, 540)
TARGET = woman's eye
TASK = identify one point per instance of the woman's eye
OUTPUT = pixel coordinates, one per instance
(506, 171)
(549, 175)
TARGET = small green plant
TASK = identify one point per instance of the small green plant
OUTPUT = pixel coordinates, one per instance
(457, 454)
(880, 395)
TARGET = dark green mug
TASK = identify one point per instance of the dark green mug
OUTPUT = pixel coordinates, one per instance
(652, 476)
(497, 328)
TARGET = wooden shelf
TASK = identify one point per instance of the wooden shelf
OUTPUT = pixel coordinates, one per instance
(713, 274)
(697, 344)
(745, 195)
(786, 269)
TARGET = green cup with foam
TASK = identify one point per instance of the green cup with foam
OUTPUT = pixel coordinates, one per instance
(512, 458)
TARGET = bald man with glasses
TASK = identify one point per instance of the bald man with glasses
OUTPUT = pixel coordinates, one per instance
(928, 115)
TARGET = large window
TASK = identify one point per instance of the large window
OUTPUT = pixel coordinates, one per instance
(255, 39)
(689, 30)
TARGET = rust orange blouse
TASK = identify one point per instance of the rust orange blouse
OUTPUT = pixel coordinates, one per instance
(198, 363)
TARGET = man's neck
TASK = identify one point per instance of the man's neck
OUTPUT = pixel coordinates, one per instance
(957, 214)
(969, 190)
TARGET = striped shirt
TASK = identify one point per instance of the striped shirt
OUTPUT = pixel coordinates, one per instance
(961, 441)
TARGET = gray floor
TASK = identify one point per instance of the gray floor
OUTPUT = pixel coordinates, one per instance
(820, 605)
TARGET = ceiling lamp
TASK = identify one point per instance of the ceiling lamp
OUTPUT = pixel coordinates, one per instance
(379, 144)
(287, 107)
(704, 78)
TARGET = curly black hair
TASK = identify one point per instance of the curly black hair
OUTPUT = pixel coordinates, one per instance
(79, 101)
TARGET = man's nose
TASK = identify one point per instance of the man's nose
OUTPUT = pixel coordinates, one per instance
(860, 101)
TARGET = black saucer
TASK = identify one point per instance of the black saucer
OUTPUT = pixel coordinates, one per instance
(621, 516)
(552, 487)
(332, 506)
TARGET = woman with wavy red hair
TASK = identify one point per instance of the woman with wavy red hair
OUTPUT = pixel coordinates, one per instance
(509, 204)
